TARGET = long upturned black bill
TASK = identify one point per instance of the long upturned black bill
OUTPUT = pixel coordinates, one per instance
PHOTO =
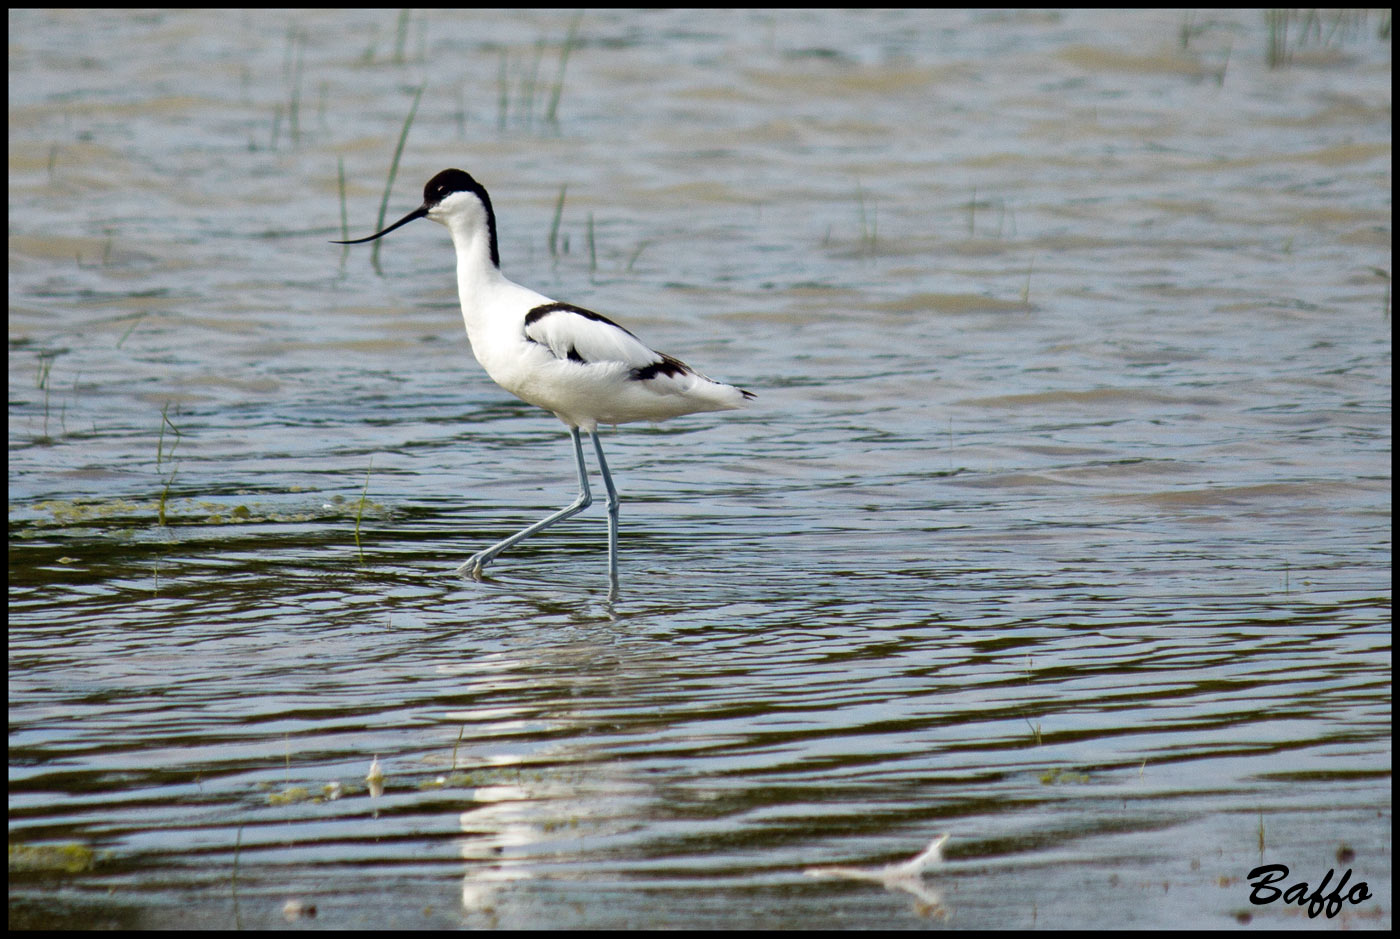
(420, 212)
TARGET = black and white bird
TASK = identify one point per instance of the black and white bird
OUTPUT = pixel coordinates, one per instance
(582, 366)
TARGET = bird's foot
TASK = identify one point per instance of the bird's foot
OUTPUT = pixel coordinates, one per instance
(473, 565)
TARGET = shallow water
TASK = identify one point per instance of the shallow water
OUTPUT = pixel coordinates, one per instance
(1061, 522)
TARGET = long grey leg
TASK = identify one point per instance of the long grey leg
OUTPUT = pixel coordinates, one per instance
(476, 562)
(613, 506)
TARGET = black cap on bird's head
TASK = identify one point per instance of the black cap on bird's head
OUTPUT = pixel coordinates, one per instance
(448, 182)
(439, 188)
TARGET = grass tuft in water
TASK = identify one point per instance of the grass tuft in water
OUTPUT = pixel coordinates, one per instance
(531, 88)
(1293, 31)
(69, 858)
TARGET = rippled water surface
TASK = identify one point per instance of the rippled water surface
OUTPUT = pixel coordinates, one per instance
(1061, 522)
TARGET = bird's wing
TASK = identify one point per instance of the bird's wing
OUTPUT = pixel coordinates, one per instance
(586, 337)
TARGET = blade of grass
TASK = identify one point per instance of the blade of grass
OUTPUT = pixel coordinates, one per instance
(554, 226)
(298, 43)
(137, 322)
(528, 83)
(636, 254)
(394, 168)
(551, 114)
(344, 215)
(502, 94)
(359, 510)
(401, 35)
(592, 247)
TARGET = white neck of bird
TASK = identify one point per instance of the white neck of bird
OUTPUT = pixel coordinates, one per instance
(475, 272)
